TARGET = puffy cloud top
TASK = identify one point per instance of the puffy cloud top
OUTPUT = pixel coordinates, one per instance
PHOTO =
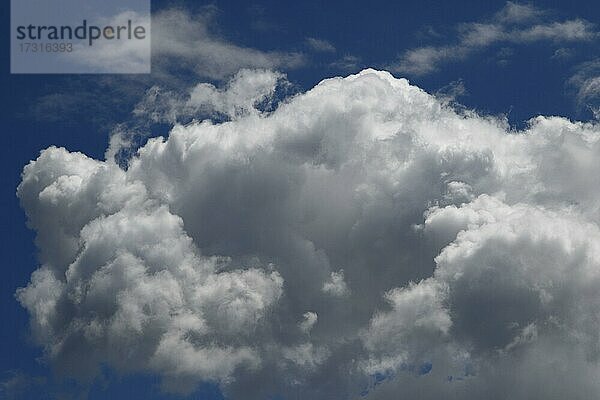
(364, 236)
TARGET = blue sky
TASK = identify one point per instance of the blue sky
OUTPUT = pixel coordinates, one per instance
(520, 73)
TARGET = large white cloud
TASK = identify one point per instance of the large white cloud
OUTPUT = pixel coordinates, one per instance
(122, 283)
(363, 237)
(513, 301)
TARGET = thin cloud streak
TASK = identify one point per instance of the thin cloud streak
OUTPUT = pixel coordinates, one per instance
(515, 24)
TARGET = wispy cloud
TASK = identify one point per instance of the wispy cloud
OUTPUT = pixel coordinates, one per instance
(347, 63)
(185, 41)
(586, 82)
(513, 24)
(563, 53)
(186, 47)
(18, 385)
(320, 45)
(451, 91)
(127, 55)
(518, 13)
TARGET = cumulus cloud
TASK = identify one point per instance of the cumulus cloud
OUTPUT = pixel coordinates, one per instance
(515, 282)
(515, 24)
(113, 289)
(363, 238)
(245, 93)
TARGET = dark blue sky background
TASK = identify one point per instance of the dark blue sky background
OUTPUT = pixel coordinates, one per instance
(375, 33)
